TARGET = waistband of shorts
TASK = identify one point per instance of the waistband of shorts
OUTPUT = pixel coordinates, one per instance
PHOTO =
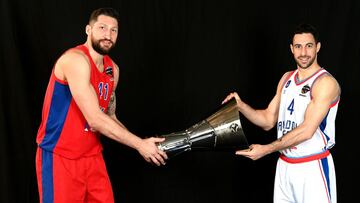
(305, 159)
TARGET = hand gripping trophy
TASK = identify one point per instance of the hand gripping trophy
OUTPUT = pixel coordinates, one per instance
(221, 130)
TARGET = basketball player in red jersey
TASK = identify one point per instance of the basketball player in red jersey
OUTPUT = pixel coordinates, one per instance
(79, 105)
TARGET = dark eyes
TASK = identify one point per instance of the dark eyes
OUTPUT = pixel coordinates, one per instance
(298, 46)
(114, 30)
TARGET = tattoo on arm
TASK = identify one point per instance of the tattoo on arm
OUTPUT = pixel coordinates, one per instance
(112, 104)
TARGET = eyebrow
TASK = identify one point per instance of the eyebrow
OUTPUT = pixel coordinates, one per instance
(305, 44)
(104, 24)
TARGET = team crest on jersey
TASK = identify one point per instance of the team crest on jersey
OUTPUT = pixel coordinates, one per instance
(109, 71)
(304, 90)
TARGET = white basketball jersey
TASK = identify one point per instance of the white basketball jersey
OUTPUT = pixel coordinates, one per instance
(295, 97)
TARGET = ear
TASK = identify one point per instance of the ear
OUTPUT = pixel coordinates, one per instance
(87, 29)
(291, 48)
(318, 46)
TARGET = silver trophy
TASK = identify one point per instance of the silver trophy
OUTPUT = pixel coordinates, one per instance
(221, 130)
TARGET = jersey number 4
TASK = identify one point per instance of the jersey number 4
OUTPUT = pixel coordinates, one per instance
(291, 107)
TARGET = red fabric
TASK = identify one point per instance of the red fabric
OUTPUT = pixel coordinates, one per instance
(70, 136)
(80, 180)
(305, 159)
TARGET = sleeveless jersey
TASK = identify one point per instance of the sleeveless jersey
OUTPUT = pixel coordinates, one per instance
(63, 129)
(295, 97)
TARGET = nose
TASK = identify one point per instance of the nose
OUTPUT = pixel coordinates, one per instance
(107, 34)
(303, 51)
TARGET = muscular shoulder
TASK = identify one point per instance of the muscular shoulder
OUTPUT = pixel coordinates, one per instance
(283, 79)
(72, 60)
(73, 56)
(326, 84)
(287, 75)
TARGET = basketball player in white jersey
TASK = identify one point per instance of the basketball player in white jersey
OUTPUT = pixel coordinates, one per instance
(303, 110)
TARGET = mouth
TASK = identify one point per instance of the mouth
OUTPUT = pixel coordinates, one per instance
(303, 59)
(107, 43)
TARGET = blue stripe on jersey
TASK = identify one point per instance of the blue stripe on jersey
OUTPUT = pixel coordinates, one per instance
(47, 176)
(323, 126)
(325, 166)
(59, 107)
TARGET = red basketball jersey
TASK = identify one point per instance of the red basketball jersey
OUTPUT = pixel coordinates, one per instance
(63, 128)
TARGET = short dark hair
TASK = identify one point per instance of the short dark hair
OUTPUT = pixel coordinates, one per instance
(306, 28)
(103, 11)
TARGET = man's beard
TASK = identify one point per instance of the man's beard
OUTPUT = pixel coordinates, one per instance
(101, 50)
(305, 66)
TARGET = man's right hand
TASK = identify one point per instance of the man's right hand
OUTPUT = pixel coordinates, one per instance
(233, 95)
(151, 153)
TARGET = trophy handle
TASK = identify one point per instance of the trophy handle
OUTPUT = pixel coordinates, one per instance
(175, 143)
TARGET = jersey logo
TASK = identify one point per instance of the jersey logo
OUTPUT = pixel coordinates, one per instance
(304, 90)
(87, 128)
(109, 71)
(286, 126)
(287, 84)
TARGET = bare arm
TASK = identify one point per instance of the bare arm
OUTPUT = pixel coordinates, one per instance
(264, 118)
(74, 68)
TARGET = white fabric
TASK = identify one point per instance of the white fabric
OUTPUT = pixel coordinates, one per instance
(294, 101)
